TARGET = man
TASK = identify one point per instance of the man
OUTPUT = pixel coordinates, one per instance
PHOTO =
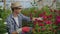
(14, 21)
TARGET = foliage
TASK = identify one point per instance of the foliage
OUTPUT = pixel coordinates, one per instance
(3, 15)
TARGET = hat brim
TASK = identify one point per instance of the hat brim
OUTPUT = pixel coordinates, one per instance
(16, 7)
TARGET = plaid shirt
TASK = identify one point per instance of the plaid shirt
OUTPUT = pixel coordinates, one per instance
(11, 25)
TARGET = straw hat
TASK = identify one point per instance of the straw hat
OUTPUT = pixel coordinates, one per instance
(16, 4)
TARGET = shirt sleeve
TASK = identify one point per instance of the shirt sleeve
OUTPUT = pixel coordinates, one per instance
(26, 18)
(10, 27)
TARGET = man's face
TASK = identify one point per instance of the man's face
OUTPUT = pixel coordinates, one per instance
(17, 10)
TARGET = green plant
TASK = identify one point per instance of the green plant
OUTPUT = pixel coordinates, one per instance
(3, 16)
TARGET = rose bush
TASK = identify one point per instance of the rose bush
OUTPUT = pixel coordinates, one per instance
(48, 23)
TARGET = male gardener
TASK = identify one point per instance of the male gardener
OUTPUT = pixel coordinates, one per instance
(14, 21)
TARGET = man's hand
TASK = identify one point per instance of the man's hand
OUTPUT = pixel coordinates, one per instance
(19, 30)
(33, 19)
(14, 32)
(40, 18)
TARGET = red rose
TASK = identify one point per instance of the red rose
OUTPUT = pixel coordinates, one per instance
(40, 24)
(56, 23)
(35, 22)
(44, 17)
(25, 29)
(40, 21)
(48, 22)
(58, 19)
(40, 15)
(50, 16)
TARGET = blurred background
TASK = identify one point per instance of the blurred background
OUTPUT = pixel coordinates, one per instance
(31, 5)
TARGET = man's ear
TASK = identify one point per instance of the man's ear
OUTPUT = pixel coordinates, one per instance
(12, 9)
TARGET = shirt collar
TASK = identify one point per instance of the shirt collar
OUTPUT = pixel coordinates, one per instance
(13, 16)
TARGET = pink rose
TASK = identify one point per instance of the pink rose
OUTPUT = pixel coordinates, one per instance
(57, 20)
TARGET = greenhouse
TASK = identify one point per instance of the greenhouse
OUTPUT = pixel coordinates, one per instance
(29, 16)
